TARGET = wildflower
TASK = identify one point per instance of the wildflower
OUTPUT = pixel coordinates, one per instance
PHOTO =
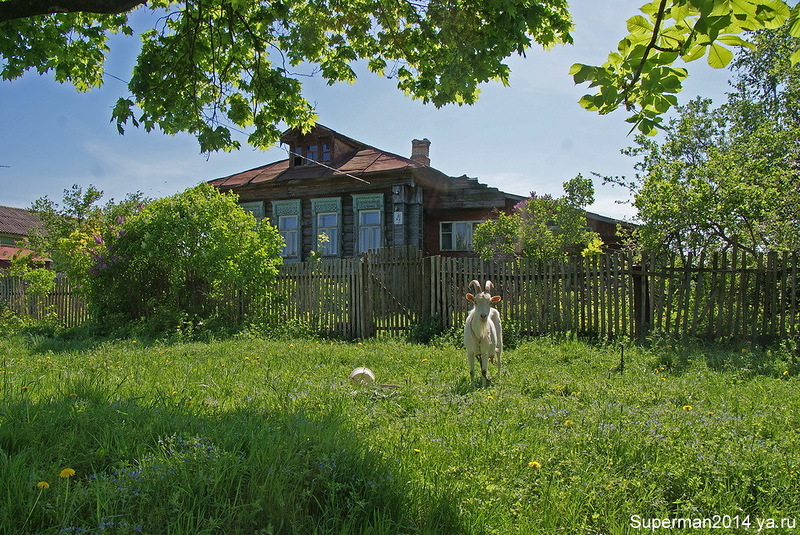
(489, 397)
(568, 423)
(786, 372)
(687, 407)
(43, 485)
(535, 464)
(25, 388)
(66, 473)
(416, 450)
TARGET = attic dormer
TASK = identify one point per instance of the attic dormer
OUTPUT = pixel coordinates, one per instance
(320, 145)
(310, 150)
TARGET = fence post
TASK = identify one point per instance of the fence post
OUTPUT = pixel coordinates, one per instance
(365, 313)
(642, 314)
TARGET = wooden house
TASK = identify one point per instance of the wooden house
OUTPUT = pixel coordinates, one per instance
(15, 225)
(361, 198)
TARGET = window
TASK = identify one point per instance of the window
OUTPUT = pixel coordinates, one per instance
(368, 213)
(456, 235)
(297, 156)
(286, 215)
(327, 225)
(369, 230)
(289, 229)
(309, 153)
(328, 233)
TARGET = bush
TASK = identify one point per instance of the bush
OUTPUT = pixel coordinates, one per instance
(191, 257)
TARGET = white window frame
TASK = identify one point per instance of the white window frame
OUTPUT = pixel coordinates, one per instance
(466, 244)
(290, 208)
(370, 236)
(291, 236)
(323, 207)
(363, 203)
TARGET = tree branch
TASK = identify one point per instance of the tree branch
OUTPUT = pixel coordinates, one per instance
(20, 9)
(650, 46)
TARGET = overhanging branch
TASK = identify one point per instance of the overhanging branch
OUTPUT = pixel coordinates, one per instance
(20, 9)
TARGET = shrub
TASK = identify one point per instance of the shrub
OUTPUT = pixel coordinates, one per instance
(192, 257)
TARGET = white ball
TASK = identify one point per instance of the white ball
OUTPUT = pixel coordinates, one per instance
(362, 376)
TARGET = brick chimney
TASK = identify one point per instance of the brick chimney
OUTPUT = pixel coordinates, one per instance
(420, 151)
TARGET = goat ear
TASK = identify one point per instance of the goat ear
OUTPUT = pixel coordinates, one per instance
(495, 299)
(470, 297)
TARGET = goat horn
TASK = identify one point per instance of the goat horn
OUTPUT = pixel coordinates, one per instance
(489, 286)
(477, 285)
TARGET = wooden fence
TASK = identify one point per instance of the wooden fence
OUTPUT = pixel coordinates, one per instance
(63, 301)
(730, 295)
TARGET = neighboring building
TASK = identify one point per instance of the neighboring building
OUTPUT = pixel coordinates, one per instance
(364, 198)
(15, 225)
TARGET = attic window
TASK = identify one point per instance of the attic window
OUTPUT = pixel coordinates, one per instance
(311, 152)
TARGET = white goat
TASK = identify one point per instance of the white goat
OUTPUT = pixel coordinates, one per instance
(483, 332)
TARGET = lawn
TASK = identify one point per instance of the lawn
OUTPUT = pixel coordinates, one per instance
(247, 436)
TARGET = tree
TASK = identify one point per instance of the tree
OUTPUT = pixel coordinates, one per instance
(541, 227)
(73, 230)
(727, 177)
(640, 75)
(182, 258)
(213, 66)
(162, 262)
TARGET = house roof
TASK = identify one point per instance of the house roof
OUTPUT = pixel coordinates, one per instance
(361, 161)
(17, 221)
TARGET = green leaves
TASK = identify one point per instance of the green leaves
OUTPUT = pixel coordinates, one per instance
(214, 67)
(640, 76)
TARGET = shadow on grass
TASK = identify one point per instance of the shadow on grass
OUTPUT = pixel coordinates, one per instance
(159, 466)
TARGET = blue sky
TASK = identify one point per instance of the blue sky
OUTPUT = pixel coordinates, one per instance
(531, 136)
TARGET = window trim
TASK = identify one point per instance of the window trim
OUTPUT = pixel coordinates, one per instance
(328, 205)
(256, 208)
(368, 202)
(289, 208)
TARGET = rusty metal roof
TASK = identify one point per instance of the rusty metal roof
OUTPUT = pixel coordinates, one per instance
(364, 160)
(17, 221)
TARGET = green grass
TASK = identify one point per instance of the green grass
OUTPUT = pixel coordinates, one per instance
(251, 436)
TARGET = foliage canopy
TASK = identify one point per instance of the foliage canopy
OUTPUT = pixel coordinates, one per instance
(727, 177)
(542, 226)
(209, 67)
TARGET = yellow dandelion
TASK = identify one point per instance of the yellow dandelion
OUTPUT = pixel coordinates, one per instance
(66, 473)
(489, 397)
(786, 372)
(416, 450)
(25, 388)
(568, 423)
(687, 407)
(535, 464)
(43, 485)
